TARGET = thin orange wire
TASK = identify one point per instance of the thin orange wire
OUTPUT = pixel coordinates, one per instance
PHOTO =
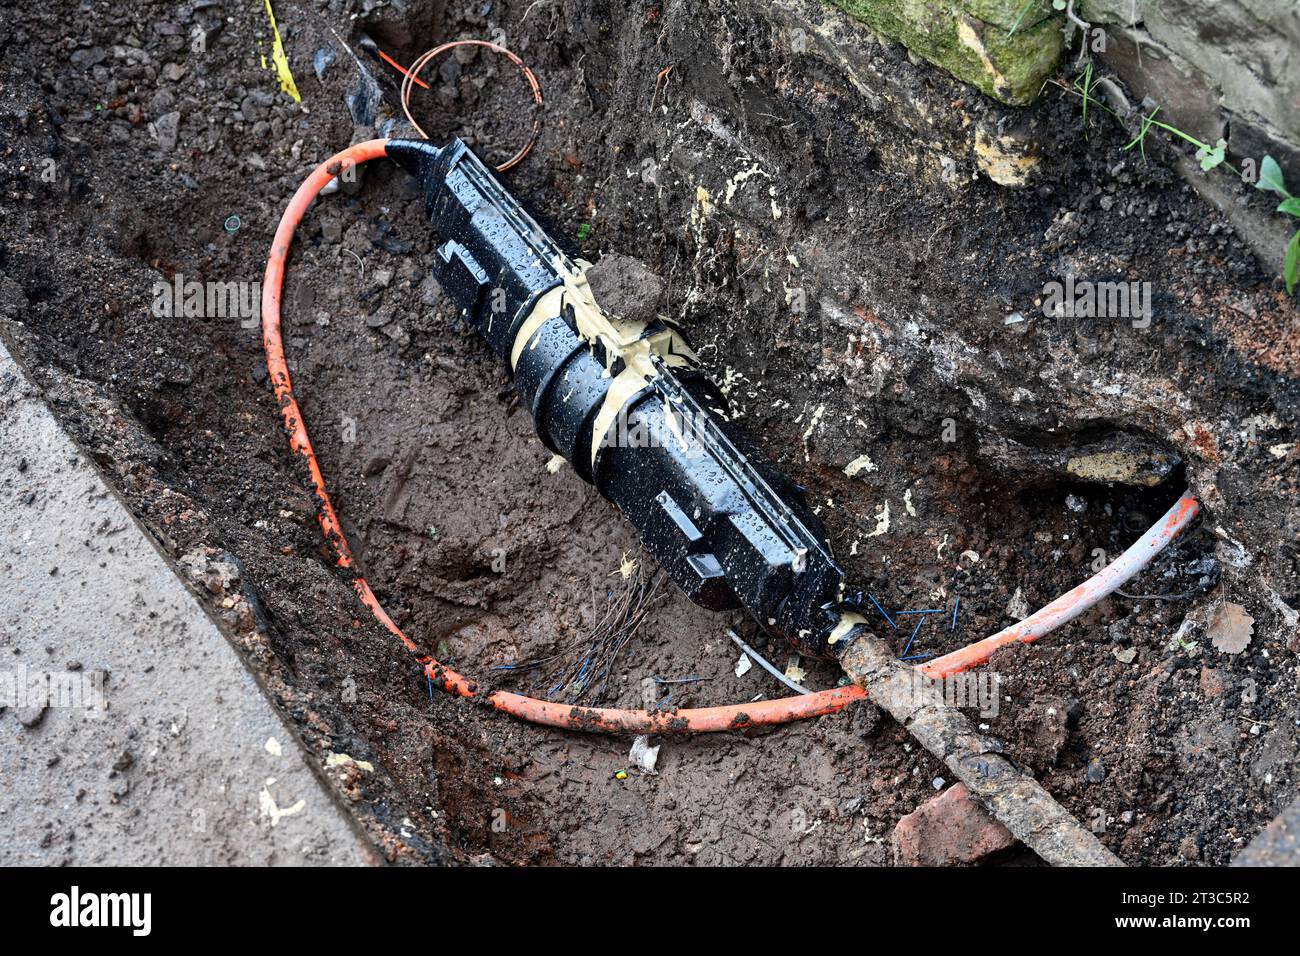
(412, 75)
(398, 67)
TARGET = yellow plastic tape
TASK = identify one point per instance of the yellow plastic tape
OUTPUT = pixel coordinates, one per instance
(278, 58)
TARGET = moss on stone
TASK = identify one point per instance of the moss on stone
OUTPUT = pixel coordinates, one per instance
(972, 39)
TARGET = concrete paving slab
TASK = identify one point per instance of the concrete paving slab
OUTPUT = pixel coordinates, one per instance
(130, 730)
(1278, 844)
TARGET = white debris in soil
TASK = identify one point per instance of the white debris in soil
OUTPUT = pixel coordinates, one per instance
(813, 422)
(1181, 639)
(738, 180)
(643, 756)
(907, 502)
(343, 760)
(743, 665)
(703, 208)
(1233, 552)
(271, 810)
(794, 671)
(1018, 607)
(555, 464)
(273, 747)
(730, 379)
(1290, 615)
(882, 521)
(626, 567)
(860, 464)
(972, 556)
(1076, 504)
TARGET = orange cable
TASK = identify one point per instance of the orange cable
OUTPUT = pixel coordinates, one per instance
(606, 719)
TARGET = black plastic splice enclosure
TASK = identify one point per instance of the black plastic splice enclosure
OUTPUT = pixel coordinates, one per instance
(727, 528)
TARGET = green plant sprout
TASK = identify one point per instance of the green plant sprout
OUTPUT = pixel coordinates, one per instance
(1084, 90)
(1270, 180)
(1020, 17)
(1209, 157)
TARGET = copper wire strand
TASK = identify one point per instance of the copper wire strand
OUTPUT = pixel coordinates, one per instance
(411, 75)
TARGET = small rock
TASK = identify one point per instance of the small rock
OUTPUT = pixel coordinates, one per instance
(950, 829)
(1125, 655)
(167, 130)
(88, 57)
(161, 102)
(32, 715)
(1017, 607)
(321, 60)
(1096, 772)
(430, 291)
(1188, 849)
(378, 320)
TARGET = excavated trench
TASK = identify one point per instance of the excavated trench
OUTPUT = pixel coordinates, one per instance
(810, 206)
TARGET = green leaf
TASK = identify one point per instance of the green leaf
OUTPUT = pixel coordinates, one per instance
(1292, 265)
(1023, 10)
(1291, 206)
(1270, 177)
(1211, 157)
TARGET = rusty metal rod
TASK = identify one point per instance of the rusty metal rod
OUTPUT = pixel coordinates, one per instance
(1017, 800)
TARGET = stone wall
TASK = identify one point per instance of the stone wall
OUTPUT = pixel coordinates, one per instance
(1217, 68)
(1005, 47)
